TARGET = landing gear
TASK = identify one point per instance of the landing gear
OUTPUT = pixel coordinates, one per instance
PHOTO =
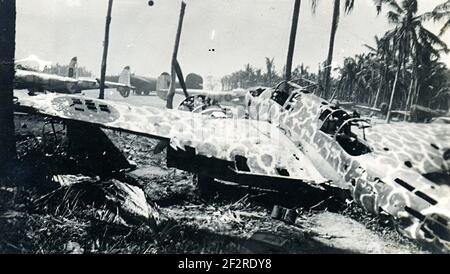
(206, 186)
(124, 92)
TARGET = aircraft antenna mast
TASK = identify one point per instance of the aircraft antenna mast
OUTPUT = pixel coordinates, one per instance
(105, 51)
(292, 39)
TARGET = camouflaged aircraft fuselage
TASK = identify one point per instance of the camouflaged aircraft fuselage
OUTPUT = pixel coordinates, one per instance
(399, 169)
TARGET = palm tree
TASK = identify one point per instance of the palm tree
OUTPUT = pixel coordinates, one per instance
(270, 71)
(249, 75)
(348, 7)
(383, 57)
(439, 81)
(348, 76)
(412, 41)
(7, 49)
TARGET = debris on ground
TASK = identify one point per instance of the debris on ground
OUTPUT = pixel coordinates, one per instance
(109, 201)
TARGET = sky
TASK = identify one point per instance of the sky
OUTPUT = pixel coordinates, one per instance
(239, 31)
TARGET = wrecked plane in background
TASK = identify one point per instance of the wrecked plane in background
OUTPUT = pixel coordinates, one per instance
(197, 93)
(39, 82)
(144, 85)
(295, 138)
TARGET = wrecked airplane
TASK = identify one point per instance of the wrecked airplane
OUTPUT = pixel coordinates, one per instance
(39, 82)
(396, 169)
(236, 96)
(291, 138)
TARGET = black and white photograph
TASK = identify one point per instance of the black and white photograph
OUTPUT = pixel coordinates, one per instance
(240, 127)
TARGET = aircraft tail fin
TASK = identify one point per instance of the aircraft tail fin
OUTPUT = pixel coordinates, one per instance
(162, 85)
(125, 79)
(72, 68)
(125, 76)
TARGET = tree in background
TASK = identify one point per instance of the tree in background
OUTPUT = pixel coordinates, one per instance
(416, 48)
(348, 7)
(251, 76)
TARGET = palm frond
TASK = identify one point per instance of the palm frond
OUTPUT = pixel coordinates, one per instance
(434, 39)
(393, 5)
(314, 4)
(445, 27)
(349, 4)
(435, 16)
(442, 7)
(370, 48)
(439, 13)
(393, 17)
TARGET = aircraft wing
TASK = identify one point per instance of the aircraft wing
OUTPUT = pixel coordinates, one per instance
(87, 83)
(25, 79)
(117, 85)
(90, 83)
(267, 149)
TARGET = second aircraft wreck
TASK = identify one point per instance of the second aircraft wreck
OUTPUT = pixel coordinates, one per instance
(36, 81)
(294, 137)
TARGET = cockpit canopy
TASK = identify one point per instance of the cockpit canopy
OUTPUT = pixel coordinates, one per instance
(337, 123)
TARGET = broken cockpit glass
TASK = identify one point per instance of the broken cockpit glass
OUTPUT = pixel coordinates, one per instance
(337, 123)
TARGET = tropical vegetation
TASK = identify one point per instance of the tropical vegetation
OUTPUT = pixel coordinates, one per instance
(402, 68)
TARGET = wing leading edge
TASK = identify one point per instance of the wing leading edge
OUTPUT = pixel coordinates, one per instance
(265, 147)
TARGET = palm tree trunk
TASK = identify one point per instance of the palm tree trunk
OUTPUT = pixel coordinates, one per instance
(370, 97)
(415, 97)
(350, 90)
(386, 91)
(339, 88)
(105, 51)
(334, 26)
(317, 89)
(448, 105)
(171, 94)
(408, 99)
(7, 49)
(378, 91)
(294, 24)
(388, 116)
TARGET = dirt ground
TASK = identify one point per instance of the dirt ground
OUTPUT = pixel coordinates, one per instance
(234, 219)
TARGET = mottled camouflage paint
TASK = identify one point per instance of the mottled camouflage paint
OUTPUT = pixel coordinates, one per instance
(263, 144)
(273, 141)
(400, 151)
